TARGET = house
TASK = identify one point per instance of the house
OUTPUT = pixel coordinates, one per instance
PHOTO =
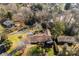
(40, 37)
(66, 39)
(6, 23)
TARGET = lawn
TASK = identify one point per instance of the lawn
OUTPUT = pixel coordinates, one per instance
(15, 38)
(1, 29)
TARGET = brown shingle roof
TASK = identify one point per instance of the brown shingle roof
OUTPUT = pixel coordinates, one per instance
(38, 38)
(41, 37)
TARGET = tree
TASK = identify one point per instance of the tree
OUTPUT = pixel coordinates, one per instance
(3, 38)
(72, 27)
(9, 15)
(42, 15)
(67, 6)
(5, 46)
(57, 29)
(30, 22)
(2, 12)
(44, 26)
(39, 50)
(36, 7)
(35, 51)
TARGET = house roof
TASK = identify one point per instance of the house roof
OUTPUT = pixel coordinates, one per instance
(39, 37)
(67, 39)
(6, 23)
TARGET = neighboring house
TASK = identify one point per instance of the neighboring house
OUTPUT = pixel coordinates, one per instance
(6, 23)
(66, 39)
(74, 6)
